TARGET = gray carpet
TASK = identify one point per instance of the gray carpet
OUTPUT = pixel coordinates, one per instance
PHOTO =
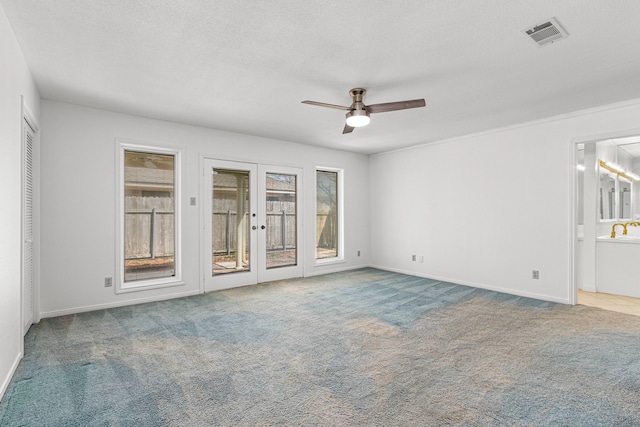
(366, 347)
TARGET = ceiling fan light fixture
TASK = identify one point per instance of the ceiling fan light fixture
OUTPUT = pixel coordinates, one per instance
(358, 113)
(358, 118)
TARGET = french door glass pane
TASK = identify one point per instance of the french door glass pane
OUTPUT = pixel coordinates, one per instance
(281, 220)
(230, 221)
(149, 216)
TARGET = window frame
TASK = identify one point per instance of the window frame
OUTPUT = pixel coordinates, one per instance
(140, 285)
(340, 215)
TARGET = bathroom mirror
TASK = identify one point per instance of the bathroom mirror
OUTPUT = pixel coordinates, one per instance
(624, 189)
(607, 197)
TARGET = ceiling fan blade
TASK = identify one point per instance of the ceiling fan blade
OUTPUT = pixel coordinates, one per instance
(347, 129)
(394, 106)
(322, 104)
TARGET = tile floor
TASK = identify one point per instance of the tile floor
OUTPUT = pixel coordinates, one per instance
(619, 303)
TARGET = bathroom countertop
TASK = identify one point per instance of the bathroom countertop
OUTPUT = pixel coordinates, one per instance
(620, 239)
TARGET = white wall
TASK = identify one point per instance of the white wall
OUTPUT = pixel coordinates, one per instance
(15, 81)
(488, 209)
(78, 196)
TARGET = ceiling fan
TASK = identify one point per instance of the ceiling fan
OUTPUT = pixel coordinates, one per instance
(358, 113)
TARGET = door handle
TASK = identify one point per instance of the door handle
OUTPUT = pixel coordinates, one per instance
(263, 227)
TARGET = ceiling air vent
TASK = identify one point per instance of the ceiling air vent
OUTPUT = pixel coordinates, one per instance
(546, 32)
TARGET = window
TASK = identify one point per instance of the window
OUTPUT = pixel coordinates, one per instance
(149, 218)
(329, 214)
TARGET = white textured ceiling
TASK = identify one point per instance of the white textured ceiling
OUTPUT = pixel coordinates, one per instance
(244, 66)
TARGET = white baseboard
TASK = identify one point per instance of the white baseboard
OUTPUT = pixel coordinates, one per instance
(12, 371)
(478, 285)
(83, 309)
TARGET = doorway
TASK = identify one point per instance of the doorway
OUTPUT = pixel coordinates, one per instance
(253, 223)
(607, 233)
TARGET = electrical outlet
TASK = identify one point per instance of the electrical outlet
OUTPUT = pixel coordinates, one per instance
(193, 201)
(421, 258)
(535, 274)
(108, 281)
(413, 257)
(358, 253)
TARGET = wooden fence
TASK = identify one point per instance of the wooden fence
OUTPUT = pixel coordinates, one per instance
(149, 227)
(280, 225)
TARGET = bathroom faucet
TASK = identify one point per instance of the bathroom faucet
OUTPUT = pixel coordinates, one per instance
(634, 223)
(613, 229)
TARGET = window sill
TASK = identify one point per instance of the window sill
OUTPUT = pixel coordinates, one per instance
(329, 261)
(148, 285)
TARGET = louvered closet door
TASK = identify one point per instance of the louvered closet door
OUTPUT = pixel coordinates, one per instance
(27, 254)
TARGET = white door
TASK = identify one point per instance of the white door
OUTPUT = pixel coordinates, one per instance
(253, 225)
(280, 222)
(27, 226)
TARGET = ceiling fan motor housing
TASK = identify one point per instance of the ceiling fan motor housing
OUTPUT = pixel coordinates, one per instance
(357, 94)
(358, 116)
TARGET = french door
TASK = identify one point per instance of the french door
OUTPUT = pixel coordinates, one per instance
(253, 223)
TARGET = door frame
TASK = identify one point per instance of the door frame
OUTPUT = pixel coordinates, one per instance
(573, 185)
(262, 275)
